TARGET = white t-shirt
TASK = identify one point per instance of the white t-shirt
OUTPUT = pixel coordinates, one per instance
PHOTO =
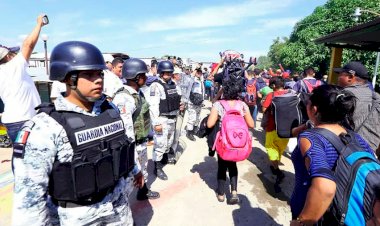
(17, 90)
(112, 83)
(57, 88)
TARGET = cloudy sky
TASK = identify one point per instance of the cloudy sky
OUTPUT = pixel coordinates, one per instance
(190, 29)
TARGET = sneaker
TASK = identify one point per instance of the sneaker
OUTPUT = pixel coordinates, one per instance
(220, 198)
(149, 195)
(234, 198)
(160, 174)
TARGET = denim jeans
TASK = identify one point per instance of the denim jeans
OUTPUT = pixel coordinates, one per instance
(13, 128)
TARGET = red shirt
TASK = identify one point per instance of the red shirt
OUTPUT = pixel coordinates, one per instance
(267, 103)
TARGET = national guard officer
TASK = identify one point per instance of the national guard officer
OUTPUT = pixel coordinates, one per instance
(135, 109)
(72, 160)
(195, 104)
(164, 104)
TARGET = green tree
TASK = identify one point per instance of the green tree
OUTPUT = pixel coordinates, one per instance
(275, 50)
(263, 62)
(300, 50)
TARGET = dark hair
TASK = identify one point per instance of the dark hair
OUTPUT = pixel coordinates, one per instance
(308, 68)
(334, 105)
(117, 60)
(153, 63)
(277, 82)
(256, 71)
(232, 88)
(296, 77)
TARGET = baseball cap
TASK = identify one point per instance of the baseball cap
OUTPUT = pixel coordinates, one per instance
(5, 50)
(355, 68)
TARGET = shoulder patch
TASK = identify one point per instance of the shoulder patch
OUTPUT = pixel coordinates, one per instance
(21, 139)
(19, 145)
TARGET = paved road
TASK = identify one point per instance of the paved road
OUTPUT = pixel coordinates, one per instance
(188, 197)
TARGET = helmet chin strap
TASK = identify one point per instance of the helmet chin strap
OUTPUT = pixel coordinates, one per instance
(73, 86)
(90, 99)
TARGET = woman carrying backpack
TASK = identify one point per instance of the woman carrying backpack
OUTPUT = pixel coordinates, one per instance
(314, 159)
(231, 96)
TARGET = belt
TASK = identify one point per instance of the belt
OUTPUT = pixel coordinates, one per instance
(72, 204)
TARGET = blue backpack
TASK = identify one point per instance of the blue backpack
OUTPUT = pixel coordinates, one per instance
(208, 83)
(357, 174)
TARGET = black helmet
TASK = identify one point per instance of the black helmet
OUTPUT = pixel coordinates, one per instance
(74, 56)
(132, 67)
(165, 66)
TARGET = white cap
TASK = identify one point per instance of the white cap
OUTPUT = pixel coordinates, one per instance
(5, 50)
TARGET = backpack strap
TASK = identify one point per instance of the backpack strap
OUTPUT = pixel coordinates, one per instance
(306, 85)
(331, 137)
(227, 107)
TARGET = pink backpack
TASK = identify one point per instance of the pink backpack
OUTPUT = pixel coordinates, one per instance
(233, 142)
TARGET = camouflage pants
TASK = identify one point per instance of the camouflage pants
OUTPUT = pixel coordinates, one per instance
(142, 153)
(163, 140)
(194, 116)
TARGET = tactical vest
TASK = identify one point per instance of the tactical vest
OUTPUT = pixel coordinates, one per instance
(172, 101)
(141, 116)
(102, 155)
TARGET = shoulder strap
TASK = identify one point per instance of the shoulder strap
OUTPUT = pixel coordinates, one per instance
(46, 108)
(306, 85)
(137, 99)
(121, 89)
(332, 137)
(225, 105)
(50, 110)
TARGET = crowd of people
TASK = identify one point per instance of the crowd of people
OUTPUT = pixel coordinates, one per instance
(75, 160)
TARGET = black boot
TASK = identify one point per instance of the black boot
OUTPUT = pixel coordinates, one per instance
(171, 157)
(196, 130)
(280, 176)
(144, 193)
(190, 135)
(159, 172)
(211, 152)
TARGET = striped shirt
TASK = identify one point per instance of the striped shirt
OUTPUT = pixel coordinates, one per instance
(323, 157)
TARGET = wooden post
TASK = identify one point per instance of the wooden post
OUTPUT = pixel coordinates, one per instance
(336, 61)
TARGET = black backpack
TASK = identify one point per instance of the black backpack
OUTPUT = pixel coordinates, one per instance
(286, 109)
(357, 174)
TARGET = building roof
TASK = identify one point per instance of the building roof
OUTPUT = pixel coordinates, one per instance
(364, 37)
